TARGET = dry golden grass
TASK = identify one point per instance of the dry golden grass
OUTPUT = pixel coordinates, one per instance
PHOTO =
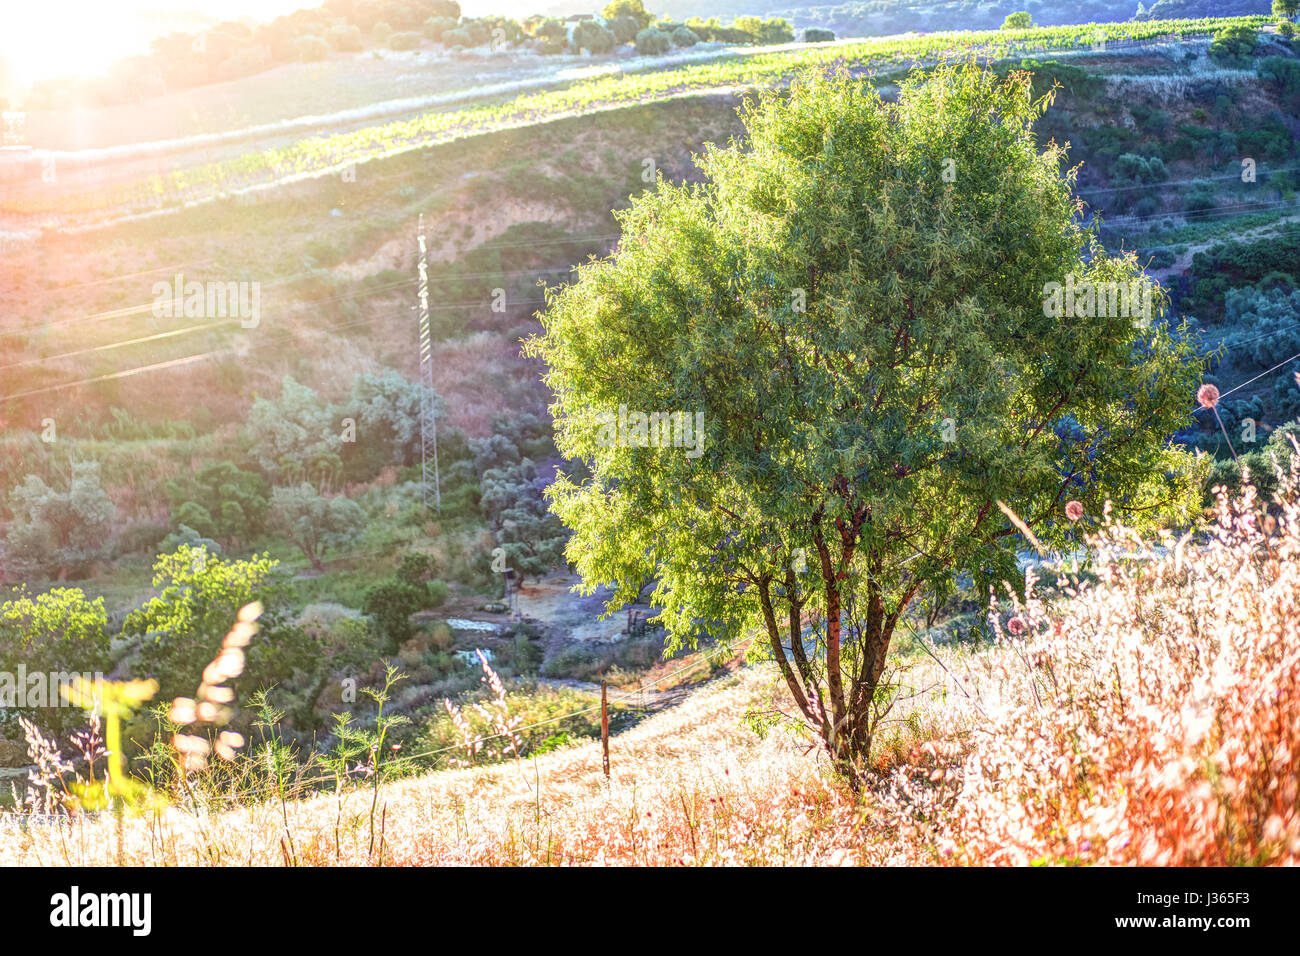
(689, 785)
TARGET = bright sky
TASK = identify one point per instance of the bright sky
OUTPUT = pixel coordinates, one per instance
(40, 38)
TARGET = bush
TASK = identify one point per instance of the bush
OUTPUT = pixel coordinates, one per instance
(590, 35)
(1234, 46)
(1018, 21)
(457, 37)
(58, 632)
(817, 35)
(652, 42)
(346, 38)
(1161, 259)
(404, 41)
(436, 27)
(684, 37)
(390, 606)
(313, 522)
(180, 630)
(56, 532)
(1265, 325)
(311, 48)
(624, 29)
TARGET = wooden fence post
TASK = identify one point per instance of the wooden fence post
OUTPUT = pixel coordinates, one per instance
(604, 726)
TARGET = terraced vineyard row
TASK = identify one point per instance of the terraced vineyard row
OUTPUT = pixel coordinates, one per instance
(324, 154)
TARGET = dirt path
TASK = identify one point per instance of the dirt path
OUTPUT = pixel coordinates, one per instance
(569, 615)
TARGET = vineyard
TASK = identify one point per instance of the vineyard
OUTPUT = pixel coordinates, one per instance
(28, 201)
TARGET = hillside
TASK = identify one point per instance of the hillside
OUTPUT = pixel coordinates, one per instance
(1121, 770)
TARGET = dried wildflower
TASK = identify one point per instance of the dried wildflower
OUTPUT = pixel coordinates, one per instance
(1074, 510)
(1207, 396)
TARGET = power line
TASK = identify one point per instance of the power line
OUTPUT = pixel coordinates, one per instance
(215, 352)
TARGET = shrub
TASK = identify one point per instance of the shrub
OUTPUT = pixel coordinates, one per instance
(311, 48)
(590, 35)
(58, 632)
(458, 37)
(313, 522)
(818, 35)
(684, 37)
(652, 42)
(57, 532)
(345, 37)
(404, 41)
(199, 595)
(390, 606)
(624, 29)
(1018, 21)
(1234, 46)
(436, 27)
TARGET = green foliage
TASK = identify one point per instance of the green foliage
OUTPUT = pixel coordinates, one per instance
(59, 632)
(199, 595)
(1234, 45)
(406, 40)
(1018, 21)
(818, 35)
(590, 35)
(436, 27)
(221, 501)
(59, 532)
(390, 606)
(624, 29)
(1282, 74)
(632, 9)
(1131, 168)
(1265, 325)
(295, 434)
(512, 500)
(758, 30)
(830, 302)
(652, 42)
(1236, 263)
(313, 522)
(385, 409)
(684, 36)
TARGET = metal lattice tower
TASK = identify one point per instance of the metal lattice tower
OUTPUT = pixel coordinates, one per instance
(428, 414)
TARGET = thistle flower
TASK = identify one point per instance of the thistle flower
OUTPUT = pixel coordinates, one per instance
(1207, 395)
(1074, 510)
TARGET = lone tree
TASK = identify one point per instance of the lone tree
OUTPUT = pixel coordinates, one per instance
(855, 300)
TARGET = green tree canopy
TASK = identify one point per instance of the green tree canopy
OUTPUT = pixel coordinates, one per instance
(58, 632)
(854, 302)
(198, 597)
(313, 522)
(627, 8)
(55, 532)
